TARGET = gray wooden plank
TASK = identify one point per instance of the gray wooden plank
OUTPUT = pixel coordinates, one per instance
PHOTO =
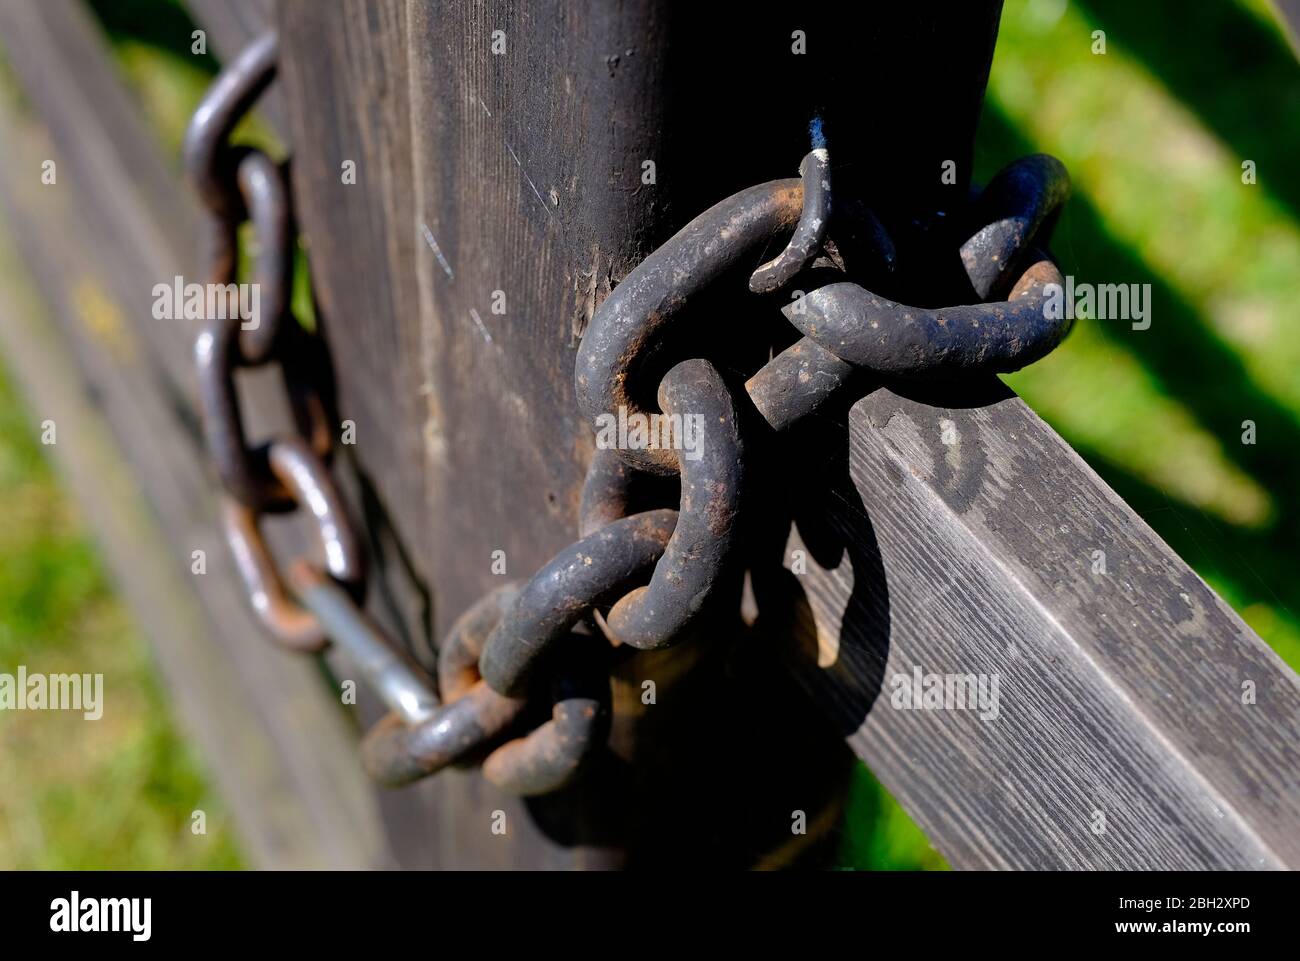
(1290, 17)
(134, 212)
(149, 559)
(1120, 692)
(302, 791)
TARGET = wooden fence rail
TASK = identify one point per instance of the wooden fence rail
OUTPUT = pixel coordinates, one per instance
(279, 750)
(1125, 690)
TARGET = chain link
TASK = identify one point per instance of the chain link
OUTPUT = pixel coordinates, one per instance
(640, 577)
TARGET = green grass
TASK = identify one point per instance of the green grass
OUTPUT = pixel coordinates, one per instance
(1154, 133)
(117, 792)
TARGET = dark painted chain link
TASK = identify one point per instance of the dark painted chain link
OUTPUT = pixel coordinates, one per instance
(845, 328)
(641, 578)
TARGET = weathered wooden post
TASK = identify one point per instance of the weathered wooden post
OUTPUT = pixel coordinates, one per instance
(514, 161)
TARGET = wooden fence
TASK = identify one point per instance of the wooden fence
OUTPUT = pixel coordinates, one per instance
(954, 534)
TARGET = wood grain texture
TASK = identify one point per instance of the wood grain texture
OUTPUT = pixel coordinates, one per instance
(134, 213)
(529, 127)
(1120, 692)
(344, 71)
(484, 179)
(280, 748)
(527, 162)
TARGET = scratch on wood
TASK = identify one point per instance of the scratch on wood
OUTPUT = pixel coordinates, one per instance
(437, 251)
(484, 106)
(536, 193)
(479, 320)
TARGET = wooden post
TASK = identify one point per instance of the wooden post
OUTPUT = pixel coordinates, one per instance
(514, 161)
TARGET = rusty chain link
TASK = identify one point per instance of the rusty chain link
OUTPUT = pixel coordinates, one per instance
(316, 605)
(639, 577)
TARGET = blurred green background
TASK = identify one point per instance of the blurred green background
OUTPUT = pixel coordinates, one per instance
(1154, 133)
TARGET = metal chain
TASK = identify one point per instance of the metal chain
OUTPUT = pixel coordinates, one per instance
(642, 579)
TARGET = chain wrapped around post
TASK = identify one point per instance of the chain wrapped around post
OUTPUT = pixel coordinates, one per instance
(846, 328)
(523, 675)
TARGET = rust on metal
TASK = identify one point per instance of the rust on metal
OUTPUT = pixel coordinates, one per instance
(809, 234)
(1018, 207)
(399, 750)
(1019, 204)
(400, 683)
(245, 471)
(632, 319)
(586, 574)
(606, 491)
(556, 752)
(845, 326)
(553, 755)
(797, 381)
(309, 485)
(900, 341)
(266, 197)
(712, 477)
(459, 653)
(395, 753)
(308, 479)
(283, 618)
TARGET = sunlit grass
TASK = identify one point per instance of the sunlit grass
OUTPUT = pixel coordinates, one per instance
(1167, 186)
(117, 792)
(879, 835)
(1160, 193)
